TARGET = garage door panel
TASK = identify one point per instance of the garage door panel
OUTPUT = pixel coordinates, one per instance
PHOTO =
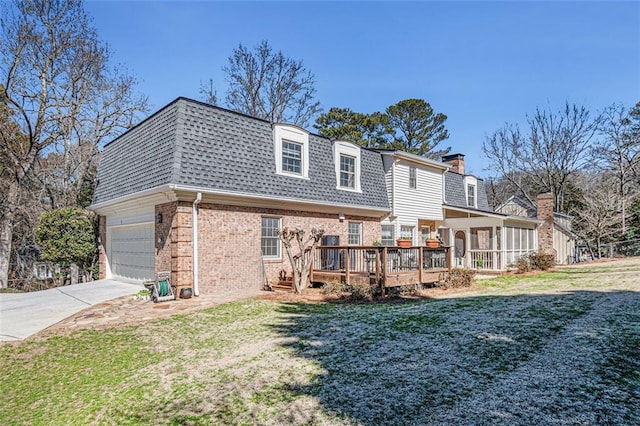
(133, 251)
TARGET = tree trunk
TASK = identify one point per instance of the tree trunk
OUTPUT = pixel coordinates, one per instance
(6, 232)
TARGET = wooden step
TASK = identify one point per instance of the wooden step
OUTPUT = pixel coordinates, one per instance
(285, 286)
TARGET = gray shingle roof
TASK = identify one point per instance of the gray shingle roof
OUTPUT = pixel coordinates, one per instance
(195, 144)
(455, 192)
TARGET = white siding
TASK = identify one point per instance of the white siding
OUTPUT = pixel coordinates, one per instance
(424, 202)
(564, 246)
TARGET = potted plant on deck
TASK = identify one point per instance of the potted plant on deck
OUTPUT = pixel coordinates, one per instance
(432, 242)
(404, 242)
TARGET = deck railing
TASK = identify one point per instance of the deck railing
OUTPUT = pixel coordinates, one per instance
(491, 260)
(387, 266)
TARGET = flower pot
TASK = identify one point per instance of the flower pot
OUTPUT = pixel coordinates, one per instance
(432, 243)
(403, 243)
(186, 293)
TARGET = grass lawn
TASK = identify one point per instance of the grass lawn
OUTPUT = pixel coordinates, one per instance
(556, 348)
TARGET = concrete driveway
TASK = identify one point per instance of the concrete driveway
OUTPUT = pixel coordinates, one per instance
(24, 314)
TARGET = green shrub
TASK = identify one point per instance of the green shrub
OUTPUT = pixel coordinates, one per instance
(459, 278)
(67, 236)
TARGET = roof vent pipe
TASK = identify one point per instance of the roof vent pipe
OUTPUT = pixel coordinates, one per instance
(196, 289)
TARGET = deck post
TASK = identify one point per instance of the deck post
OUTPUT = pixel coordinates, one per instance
(377, 267)
(383, 281)
(420, 264)
(346, 266)
(449, 259)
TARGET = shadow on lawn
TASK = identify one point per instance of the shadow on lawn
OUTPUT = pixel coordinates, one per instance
(561, 359)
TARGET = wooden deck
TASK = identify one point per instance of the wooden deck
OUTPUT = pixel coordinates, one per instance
(383, 266)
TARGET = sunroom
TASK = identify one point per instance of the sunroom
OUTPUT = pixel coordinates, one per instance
(487, 241)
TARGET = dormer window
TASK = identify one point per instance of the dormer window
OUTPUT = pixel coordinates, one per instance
(347, 171)
(291, 148)
(291, 157)
(471, 195)
(346, 157)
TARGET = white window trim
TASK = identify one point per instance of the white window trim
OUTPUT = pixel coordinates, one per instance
(279, 256)
(359, 233)
(292, 134)
(413, 231)
(346, 148)
(415, 175)
(471, 180)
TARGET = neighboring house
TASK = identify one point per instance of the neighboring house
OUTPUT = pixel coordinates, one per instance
(200, 191)
(555, 231)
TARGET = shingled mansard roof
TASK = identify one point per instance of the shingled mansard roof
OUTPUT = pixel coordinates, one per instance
(456, 196)
(192, 144)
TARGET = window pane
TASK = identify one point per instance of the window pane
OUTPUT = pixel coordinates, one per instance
(425, 233)
(270, 242)
(516, 238)
(291, 157)
(355, 233)
(531, 243)
(347, 171)
(406, 232)
(471, 195)
(387, 235)
(412, 178)
(444, 235)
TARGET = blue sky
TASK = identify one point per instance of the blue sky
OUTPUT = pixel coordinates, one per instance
(481, 63)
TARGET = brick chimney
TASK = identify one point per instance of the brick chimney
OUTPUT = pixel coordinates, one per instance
(545, 204)
(456, 161)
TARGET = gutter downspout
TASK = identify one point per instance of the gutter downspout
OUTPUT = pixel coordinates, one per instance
(194, 227)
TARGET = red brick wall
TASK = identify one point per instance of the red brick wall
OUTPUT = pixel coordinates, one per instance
(174, 248)
(229, 243)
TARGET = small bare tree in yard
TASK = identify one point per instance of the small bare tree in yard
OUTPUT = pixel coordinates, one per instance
(62, 98)
(300, 256)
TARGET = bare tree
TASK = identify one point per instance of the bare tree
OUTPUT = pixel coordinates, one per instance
(208, 92)
(554, 146)
(301, 256)
(618, 153)
(270, 86)
(61, 92)
(600, 216)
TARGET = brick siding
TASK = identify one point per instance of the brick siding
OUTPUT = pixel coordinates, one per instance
(545, 204)
(102, 254)
(229, 243)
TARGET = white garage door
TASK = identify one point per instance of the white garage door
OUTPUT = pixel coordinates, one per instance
(132, 252)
